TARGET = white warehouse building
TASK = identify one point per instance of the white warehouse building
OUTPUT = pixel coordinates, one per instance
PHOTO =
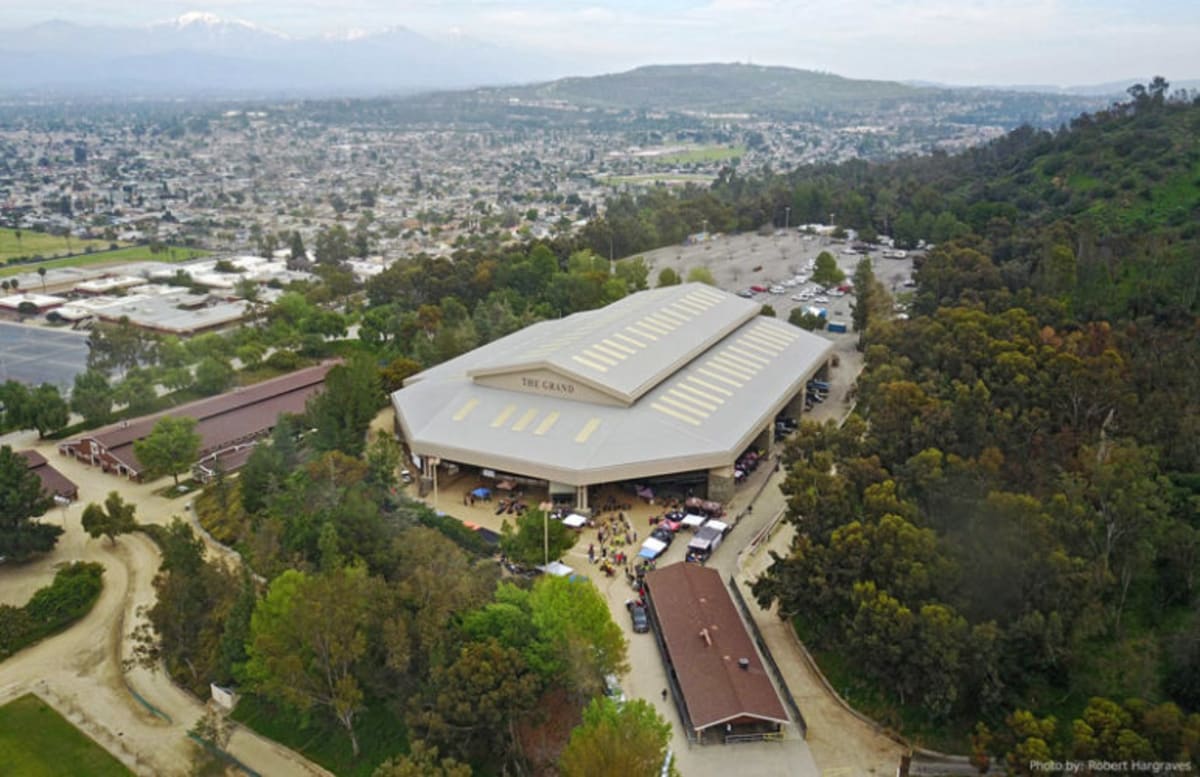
(672, 384)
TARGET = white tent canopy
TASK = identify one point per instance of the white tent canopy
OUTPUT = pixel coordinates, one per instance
(557, 568)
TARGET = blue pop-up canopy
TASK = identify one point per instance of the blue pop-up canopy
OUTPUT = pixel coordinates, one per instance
(481, 493)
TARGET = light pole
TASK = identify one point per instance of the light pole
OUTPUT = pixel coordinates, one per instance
(545, 538)
(787, 218)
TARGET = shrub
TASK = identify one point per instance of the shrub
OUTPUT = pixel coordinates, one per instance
(75, 588)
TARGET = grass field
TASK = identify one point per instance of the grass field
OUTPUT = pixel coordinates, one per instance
(35, 243)
(119, 256)
(651, 179)
(700, 155)
(381, 735)
(35, 741)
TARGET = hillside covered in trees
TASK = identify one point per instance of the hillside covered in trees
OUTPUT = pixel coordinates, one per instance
(1003, 539)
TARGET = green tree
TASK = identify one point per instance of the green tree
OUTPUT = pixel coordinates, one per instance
(579, 641)
(296, 245)
(630, 738)
(22, 498)
(16, 400)
(135, 391)
(826, 271)
(634, 272)
(700, 275)
(805, 320)
(113, 518)
(308, 638)
(92, 397)
(342, 412)
(476, 701)
(334, 245)
(668, 277)
(47, 409)
(535, 539)
(421, 761)
(190, 611)
(213, 375)
(171, 448)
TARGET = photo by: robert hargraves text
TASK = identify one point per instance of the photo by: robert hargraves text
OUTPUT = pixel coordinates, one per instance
(1096, 766)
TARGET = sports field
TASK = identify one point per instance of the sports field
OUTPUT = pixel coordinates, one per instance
(41, 244)
(35, 741)
(700, 155)
(119, 256)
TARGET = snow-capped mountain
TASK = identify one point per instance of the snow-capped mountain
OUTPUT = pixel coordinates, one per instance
(204, 53)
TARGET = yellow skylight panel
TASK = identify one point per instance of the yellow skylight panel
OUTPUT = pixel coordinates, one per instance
(683, 406)
(525, 420)
(505, 414)
(680, 416)
(465, 410)
(589, 363)
(722, 378)
(586, 432)
(597, 356)
(617, 346)
(694, 400)
(709, 386)
(748, 356)
(546, 423)
(699, 393)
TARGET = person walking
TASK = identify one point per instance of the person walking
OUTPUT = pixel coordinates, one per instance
(664, 694)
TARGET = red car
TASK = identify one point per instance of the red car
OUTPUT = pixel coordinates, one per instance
(759, 289)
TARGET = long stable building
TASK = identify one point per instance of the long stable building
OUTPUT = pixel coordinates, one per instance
(673, 383)
(226, 423)
(723, 686)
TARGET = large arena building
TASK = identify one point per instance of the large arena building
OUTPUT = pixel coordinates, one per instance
(670, 385)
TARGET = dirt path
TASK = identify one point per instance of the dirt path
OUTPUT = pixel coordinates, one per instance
(79, 672)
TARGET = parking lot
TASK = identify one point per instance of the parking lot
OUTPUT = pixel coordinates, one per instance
(35, 354)
(738, 262)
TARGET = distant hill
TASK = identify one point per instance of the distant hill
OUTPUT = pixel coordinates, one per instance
(774, 92)
(714, 88)
(202, 54)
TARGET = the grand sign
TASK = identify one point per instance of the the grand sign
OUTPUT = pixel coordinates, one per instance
(548, 386)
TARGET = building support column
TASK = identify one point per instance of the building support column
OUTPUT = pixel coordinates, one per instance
(765, 440)
(721, 484)
(581, 500)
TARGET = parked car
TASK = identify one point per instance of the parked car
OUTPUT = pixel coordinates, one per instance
(663, 534)
(746, 293)
(612, 689)
(641, 621)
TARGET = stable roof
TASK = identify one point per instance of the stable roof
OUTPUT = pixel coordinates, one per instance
(706, 643)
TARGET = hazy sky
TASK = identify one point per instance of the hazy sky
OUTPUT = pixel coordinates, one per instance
(954, 41)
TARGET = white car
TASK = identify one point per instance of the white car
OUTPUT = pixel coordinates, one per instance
(778, 290)
(822, 299)
(798, 298)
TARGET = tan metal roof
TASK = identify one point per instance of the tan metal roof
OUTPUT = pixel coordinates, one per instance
(703, 410)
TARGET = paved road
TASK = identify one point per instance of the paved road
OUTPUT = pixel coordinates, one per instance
(80, 671)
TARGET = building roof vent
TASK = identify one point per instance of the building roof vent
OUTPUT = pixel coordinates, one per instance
(744, 663)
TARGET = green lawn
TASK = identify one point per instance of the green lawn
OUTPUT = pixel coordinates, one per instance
(700, 155)
(381, 735)
(119, 256)
(35, 741)
(35, 243)
(651, 179)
